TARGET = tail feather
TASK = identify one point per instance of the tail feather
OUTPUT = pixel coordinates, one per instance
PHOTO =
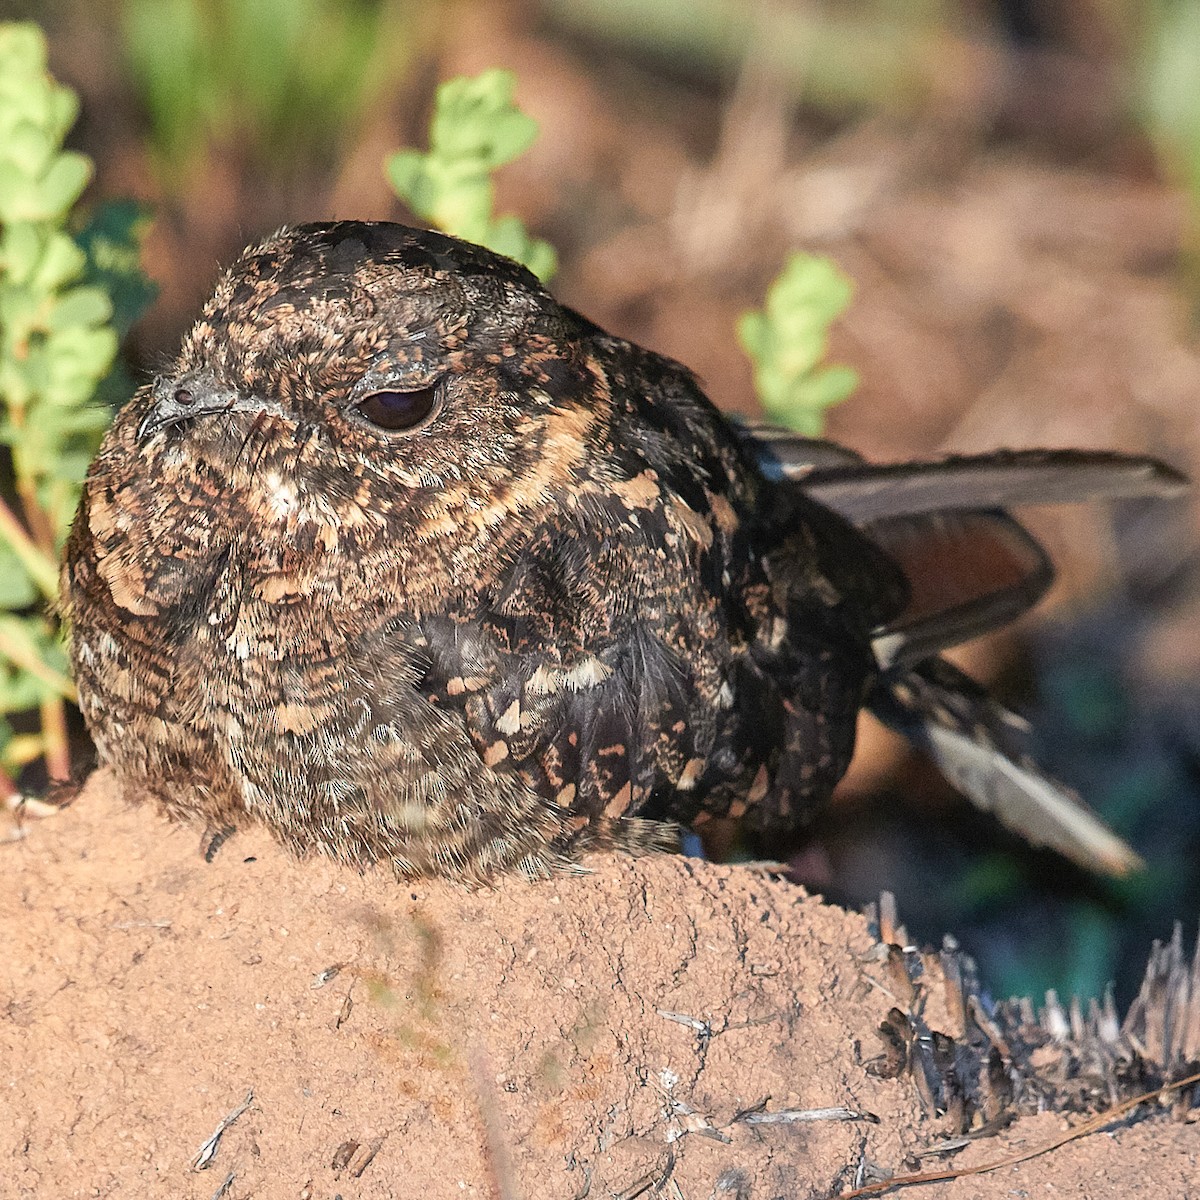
(980, 747)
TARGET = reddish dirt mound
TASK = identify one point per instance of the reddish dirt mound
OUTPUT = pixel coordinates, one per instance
(618, 1033)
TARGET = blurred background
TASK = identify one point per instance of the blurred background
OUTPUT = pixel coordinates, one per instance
(1012, 185)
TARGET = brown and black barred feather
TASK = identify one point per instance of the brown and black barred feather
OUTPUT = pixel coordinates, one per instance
(414, 565)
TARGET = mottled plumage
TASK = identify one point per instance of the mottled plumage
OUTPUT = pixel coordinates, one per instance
(414, 565)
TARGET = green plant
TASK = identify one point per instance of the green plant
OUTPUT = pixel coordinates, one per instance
(1169, 101)
(278, 80)
(476, 129)
(839, 58)
(787, 341)
(58, 344)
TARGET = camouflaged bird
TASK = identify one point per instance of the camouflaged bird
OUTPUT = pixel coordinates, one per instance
(415, 565)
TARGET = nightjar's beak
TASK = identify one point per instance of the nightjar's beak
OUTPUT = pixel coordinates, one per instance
(174, 400)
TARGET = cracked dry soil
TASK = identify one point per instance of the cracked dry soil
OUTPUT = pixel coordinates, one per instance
(617, 1033)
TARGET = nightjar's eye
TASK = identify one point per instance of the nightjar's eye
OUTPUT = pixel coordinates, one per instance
(397, 412)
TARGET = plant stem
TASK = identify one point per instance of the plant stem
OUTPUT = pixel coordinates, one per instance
(54, 734)
(16, 647)
(35, 517)
(38, 563)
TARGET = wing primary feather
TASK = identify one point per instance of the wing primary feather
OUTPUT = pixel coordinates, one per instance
(969, 572)
(871, 491)
(980, 746)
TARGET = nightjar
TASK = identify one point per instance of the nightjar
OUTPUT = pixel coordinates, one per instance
(415, 565)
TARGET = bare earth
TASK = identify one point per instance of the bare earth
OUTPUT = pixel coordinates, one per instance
(599, 1035)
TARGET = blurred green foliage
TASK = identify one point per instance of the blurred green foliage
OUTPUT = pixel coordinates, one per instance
(111, 240)
(1169, 104)
(787, 341)
(281, 79)
(838, 57)
(476, 128)
(58, 342)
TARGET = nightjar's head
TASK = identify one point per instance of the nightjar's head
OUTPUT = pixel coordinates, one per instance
(368, 373)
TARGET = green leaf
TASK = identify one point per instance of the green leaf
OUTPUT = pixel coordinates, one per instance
(475, 129)
(18, 690)
(828, 387)
(22, 50)
(541, 258)
(752, 334)
(508, 236)
(61, 186)
(16, 588)
(404, 169)
(476, 119)
(20, 251)
(787, 340)
(81, 306)
(112, 245)
(27, 151)
(62, 263)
